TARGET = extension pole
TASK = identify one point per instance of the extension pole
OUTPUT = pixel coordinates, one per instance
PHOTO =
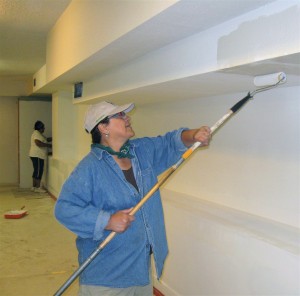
(165, 176)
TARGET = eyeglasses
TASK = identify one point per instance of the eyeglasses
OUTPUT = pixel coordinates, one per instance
(121, 115)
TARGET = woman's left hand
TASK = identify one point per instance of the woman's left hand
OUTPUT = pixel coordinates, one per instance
(203, 135)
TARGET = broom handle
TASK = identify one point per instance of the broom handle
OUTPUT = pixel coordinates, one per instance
(162, 180)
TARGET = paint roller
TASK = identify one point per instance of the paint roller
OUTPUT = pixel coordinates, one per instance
(265, 82)
(269, 80)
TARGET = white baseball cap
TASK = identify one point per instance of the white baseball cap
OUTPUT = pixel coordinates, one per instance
(96, 113)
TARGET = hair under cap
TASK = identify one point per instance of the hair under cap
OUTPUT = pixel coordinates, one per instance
(96, 113)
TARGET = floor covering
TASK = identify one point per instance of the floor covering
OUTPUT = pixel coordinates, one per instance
(37, 254)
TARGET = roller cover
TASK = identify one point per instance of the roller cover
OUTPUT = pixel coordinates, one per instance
(270, 79)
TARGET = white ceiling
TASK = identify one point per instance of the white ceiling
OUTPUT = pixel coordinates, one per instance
(24, 25)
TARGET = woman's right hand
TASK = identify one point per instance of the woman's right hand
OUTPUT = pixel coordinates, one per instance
(120, 221)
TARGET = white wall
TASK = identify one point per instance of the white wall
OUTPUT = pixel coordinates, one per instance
(82, 30)
(71, 141)
(216, 250)
(29, 112)
(9, 140)
(224, 46)
(253, 161)
(232, 210)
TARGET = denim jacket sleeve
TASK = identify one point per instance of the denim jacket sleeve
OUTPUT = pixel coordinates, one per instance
(164, 151)
(75, 208)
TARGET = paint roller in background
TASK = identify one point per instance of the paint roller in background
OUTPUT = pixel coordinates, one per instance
(267, 81)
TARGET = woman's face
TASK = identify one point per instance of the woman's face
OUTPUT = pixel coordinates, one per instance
(119, 127)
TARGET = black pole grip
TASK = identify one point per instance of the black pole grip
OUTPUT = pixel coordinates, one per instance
(241, 103)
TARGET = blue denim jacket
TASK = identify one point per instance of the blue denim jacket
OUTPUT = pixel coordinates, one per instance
(96, 189)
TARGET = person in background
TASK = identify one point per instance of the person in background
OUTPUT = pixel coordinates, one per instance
(38, 153)
(102, 190)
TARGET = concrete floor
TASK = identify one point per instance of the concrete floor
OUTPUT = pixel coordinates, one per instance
(37, 254)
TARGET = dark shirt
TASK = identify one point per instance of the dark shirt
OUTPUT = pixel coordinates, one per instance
(130, 177)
